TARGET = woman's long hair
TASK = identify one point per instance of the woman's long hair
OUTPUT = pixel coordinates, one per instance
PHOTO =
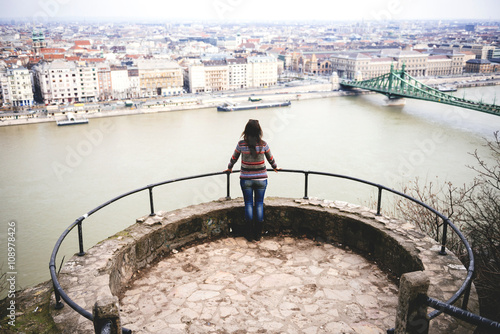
(252, 135)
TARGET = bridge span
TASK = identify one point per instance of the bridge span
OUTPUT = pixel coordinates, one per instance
(398, 84)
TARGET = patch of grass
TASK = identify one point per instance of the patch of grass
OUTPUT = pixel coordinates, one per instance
(32, 311)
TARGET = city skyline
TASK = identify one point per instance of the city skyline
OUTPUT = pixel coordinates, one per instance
(256, 10)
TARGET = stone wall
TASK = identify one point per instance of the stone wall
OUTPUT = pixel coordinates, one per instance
(398, 247)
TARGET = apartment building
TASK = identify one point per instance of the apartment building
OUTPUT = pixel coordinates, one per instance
(60, 82)
(263, 71)
(120, 82)
(104, 80)
(16, 87)
(134, 82)
(216, 75)
(238, 73)
(196, 78)
(160, 78)
(232, 73)
(479, 50)
(478, 66)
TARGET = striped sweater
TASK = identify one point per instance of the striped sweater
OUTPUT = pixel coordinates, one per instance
(252, 167)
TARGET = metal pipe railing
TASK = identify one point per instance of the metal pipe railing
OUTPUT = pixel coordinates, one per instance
(462, 314)
(464, 289)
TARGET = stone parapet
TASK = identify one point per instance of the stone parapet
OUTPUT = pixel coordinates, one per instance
(398, 247)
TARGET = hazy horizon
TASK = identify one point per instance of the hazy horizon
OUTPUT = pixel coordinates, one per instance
(246, 10)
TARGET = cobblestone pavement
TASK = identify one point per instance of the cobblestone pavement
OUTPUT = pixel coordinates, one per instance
(277, 285)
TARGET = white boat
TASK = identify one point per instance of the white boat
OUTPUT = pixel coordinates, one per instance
(71, 120)
(235, 107)
(447, 88)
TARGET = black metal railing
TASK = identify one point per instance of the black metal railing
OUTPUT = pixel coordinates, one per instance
(464, 289)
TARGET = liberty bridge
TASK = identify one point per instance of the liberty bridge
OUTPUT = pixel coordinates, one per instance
(398, 84)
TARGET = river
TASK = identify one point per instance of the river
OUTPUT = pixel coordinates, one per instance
(52, 175)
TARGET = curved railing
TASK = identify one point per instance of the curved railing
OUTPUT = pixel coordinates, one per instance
(439, 306)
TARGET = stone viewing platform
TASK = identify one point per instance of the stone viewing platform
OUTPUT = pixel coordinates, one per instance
(281, 285)
(321, 267)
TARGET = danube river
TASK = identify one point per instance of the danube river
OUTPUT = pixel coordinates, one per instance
(52, 175)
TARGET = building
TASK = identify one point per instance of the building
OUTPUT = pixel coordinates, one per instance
(134, 82)
(238, 73)
(262, 71)
(357, 64)
(478, 66)
(479, 50)
(209, 76)
(38, 40)
(440, 65)
(120, 82)
(216, 75)
(61, 82)
(415, 62)
(221, 73)
(308, 63)
(160, 78)
(16, 87)
(196, 78)
(371, 64)
(104, 80)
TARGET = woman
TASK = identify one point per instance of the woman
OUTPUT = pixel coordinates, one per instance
(253, 176)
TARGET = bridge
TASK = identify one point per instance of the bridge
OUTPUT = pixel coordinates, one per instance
(398, 84)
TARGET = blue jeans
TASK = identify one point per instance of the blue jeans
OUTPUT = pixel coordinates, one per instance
(249, 187)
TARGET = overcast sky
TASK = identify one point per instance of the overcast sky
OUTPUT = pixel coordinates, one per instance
(254, 9)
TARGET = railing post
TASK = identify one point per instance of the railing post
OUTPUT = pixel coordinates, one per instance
(59, 305)
(228, 194)
(151, 205)
(411, 317)
(465, 302)
(80, 239)
(306, 185)
(379, 202)
(107, 316)
(443, 242)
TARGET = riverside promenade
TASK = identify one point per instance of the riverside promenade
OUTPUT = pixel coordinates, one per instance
(277, 285)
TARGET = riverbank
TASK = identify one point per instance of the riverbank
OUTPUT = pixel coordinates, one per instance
(297, 93)
(281, 93)
(32, 313)
(203, 101)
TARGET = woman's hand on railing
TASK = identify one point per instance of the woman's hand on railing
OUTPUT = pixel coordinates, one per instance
(277, 169)
(229, 170)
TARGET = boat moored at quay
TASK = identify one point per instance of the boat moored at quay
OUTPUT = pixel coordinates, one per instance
(235, 107)
(72, 120)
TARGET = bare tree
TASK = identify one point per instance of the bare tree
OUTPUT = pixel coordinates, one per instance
(475, 209)
(482, 226)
